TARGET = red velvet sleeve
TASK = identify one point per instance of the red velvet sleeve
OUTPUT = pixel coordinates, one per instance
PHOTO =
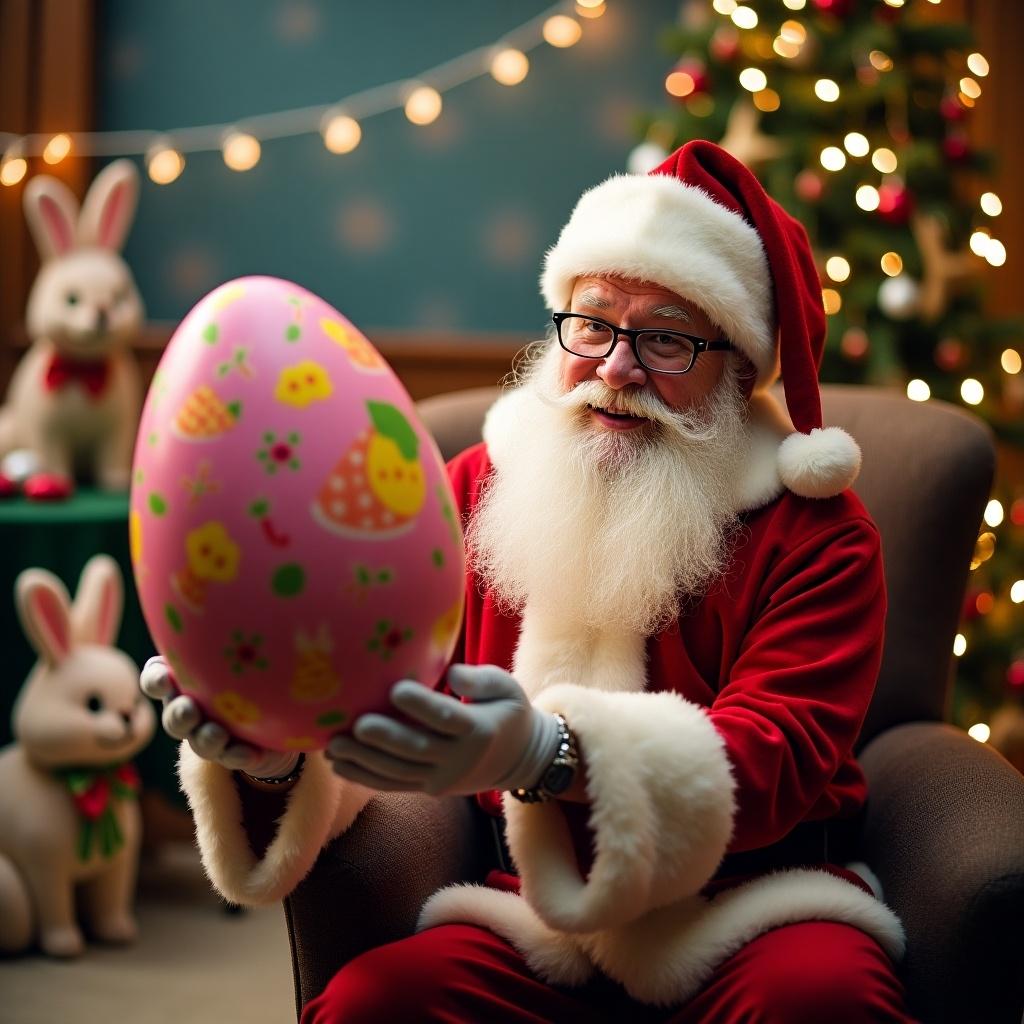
(800, 688)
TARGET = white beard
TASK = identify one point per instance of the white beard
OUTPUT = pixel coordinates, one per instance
(603, 528)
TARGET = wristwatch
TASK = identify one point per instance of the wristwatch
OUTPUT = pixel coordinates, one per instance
(559, 774)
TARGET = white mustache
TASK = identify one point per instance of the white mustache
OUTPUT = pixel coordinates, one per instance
(693, 425)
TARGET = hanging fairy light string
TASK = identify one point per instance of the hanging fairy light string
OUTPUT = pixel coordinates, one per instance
(339, 124)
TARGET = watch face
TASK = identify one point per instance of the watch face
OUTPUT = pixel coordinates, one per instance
(558, 778)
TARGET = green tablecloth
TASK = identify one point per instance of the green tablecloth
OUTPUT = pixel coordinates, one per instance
(62, 536)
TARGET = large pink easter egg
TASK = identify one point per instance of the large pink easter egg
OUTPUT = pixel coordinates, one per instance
(293, 532)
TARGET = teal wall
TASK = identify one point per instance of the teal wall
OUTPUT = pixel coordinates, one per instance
(420, 228)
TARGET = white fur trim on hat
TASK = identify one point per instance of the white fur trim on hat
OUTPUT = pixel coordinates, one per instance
(661, 810)
(320, 806)
(820, 464)
(655, 228)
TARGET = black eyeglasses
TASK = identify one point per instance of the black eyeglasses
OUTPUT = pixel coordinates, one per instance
(655, 350)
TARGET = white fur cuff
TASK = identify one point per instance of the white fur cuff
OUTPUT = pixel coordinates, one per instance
(661, 810)
(320, 806)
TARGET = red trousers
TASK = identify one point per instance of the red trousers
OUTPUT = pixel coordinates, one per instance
(807, 973)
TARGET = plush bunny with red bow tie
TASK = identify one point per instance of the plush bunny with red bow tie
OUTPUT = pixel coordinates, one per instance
(73, 404)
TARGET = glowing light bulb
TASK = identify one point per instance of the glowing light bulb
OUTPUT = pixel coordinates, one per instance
(831, 300)
(880, 60)
(744, 17)
(918, 390)
(57, 148)
(826, 90)
(767, 100)
(832, 158)
(784, 48)
(510, 67)
(856, 144)
(995, 254)
(959, 645)
(979, 242)
(980, 732)
(977, 65)
(793, 32)
(884, 160)
(241, 151)
(892, 264)
(971, 391)
(423, 105)
(867, 197)
(164, 164)
(680, 83)
(1017, 592)
(991, 204)
(12, 169)
(837, 268)
(1011, 361)
(753, 79)
(725, 7)
(794, 5)
(560, 30)
(994, 513)
(341, 133)
(969, 87)
(593, 11)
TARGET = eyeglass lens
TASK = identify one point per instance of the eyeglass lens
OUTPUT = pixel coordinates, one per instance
(658, 350)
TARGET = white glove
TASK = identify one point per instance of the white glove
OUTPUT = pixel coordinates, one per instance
(183, 720)
(500, 741)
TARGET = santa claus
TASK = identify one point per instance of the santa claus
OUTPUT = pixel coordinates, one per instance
(672, 634)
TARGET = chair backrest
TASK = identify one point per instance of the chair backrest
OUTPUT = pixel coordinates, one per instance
(926, 478)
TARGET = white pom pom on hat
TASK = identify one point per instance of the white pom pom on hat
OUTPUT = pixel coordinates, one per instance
(702, 225)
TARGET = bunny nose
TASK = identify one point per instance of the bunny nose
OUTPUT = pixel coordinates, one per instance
(127, 717)
(102, 320)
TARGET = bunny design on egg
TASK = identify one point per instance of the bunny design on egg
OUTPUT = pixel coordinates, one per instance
(69, 819)
(74, 399)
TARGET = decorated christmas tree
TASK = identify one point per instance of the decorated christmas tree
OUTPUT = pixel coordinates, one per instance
(855, 114)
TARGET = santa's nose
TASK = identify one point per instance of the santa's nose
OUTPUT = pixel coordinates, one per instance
(621, 367)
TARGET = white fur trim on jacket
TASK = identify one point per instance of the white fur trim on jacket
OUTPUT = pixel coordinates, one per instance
(661, 810)
(656, 228)
(665, 956)
(320, 806)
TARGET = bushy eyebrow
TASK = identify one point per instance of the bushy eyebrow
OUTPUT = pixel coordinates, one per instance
(671, 313)
(594, 299)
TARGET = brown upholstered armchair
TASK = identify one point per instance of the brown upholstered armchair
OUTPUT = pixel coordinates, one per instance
(945, 824)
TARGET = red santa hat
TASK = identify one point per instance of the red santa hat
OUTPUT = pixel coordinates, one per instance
(701, 225)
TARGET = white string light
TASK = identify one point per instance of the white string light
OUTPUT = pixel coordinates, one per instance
(339, 122)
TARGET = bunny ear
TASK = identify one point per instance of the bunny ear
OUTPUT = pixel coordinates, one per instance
(52, 210)
(109, 206)
(44, 610)
(99, 601)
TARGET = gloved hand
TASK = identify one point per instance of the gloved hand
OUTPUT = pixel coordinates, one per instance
(183, 720)
(500, 741)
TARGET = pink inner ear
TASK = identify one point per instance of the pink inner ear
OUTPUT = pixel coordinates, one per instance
(52, 621)
(56, 224)
(105, 628)
(110, 217)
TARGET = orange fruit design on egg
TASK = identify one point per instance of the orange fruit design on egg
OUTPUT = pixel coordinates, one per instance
(204, 416)
(378, 486)
(362, 355)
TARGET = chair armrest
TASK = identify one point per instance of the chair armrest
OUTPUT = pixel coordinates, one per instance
(944, 832)
(368, 886)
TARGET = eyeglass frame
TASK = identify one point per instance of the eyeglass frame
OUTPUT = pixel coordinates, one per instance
(633, 333)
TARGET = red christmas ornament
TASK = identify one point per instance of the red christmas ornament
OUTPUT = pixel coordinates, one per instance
(1017, 512)
(1015, 675)
(725, 44)
(809, 186)
(836, 8)
(949, 354)
(855, 344)
(952, 109)
(956, 148)
(895, 203)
